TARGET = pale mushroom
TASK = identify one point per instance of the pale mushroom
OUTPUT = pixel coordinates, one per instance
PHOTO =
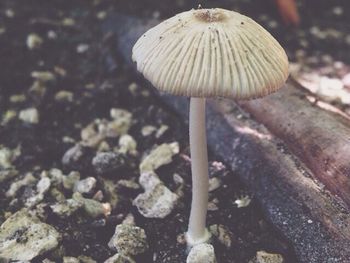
(209, 53)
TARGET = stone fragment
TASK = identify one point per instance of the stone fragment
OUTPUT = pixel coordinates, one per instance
(148, 130)
(264, 257)
(86, 259)
(108, 162)
(111, 191)
(70, 260)
(77, 157)
(214, 183)
(70, 180)
(222, 233)
(30, 115)
(24, 236)
(159, 156)
(7, 174)
(129, 240)
(8, 156)
(127, 145)
(162, 129)
(243, 201)
(157, 201)
(34, 41)
(26, 180)
(64, 95)
(44, 76)
(41, 188)
(85, 186)
(92, 207)
(118, 258)
(66, 208)
(201, 253)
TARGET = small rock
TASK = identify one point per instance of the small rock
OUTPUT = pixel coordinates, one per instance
(222, 233)
(129, 240)
(34, 41)
(264, 257)
(201, 253)
(7, 174)
(85, 186)
(70, 260)
(26, 180)
(8, 116)
(162, 129)
(38, 90)
(178, 179)
(10, 13)
(131, 184)
(98, 196)
(86, 259)
(67, 21)
(17, 98)
(243, 201)
(118, 258)
(148, 130)
(121, 121)
(101, 15)
(111, 191)
(214, 183)
(129, 219)
(157, 201)
(30, 115)
(213, 204)
(76, 156)
(57, 194)
(93, 208)
(82, 48)
(159, 156)
(64, 95)
(108, 162)
(55, 175)
(127, 144)
(43, 76)
(7, 156)
(23, 237)
(41, 188)
(51, 34)
(70, 180)
(66, 208)
(338, 10)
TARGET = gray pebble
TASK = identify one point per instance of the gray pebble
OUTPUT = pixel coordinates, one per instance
(129, 240)
(108, 162)
(66, 208)
(85, 186)
(24, 236)
(118, 258)
(201, 253)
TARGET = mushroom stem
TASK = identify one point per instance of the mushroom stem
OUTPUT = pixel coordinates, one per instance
(197, 232)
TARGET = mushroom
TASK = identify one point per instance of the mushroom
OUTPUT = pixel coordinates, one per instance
(209, 53)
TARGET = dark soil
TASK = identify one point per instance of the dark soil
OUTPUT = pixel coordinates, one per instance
(100, 67)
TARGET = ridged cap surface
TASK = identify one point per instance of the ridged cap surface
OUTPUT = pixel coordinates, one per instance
(211, 53)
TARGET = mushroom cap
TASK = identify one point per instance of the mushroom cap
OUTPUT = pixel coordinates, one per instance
(211, 53)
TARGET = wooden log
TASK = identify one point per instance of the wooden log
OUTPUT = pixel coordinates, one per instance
(320, 138)
(313, 220)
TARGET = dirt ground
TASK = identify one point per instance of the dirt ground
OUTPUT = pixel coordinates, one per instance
(84, 79)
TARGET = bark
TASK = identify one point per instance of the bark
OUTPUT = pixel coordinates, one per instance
(320, 138)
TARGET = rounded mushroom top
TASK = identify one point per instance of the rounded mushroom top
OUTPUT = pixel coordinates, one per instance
(211, 53)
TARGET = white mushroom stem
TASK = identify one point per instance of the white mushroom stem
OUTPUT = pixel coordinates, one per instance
(197, 232)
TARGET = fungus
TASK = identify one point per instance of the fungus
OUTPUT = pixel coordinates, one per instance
(243, 62)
